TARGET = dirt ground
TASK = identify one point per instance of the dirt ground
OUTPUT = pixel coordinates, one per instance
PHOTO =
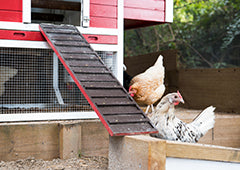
(83, 163)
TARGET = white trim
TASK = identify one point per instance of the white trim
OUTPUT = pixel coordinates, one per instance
(169, 11)
(19, 26)
(45, 45)
(55, 79)
(104, 47)
(47, 116)
(98, 31)
(35, 27)
(120, 54)
(26, 8)
(85, 13)
(196, 164)
(24, 44)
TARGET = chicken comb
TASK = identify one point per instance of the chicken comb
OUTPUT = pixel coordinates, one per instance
(179, 95)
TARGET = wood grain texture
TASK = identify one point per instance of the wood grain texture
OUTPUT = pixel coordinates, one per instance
(19, 141)
(218, 87)
(70, 140)
(200, 151)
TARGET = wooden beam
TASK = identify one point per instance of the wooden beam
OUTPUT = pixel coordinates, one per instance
(54, 4)
(202, 152)
(70, 140)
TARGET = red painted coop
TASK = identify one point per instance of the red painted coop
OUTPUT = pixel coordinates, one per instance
(37, 84)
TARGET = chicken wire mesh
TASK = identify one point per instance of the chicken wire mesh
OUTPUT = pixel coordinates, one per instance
(35, 81)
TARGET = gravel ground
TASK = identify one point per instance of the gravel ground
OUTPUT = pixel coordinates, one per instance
(84, 163)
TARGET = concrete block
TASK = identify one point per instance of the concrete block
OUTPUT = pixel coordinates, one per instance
(137, 152)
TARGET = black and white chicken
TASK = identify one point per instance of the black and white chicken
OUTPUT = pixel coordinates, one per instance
(172, 128)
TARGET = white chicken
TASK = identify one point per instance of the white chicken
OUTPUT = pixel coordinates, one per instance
(148, 87)
(171, 128)
(5, 74)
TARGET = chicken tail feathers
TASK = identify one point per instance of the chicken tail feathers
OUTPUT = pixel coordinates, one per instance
(205, 120)
(159, 60)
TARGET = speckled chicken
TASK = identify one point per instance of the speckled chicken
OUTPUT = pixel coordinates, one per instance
(172, 128)
(148, 87)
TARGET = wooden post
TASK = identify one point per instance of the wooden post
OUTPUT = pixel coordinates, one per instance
(70, 140)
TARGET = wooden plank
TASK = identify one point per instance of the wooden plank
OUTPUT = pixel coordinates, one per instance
(105, 2)
(80, 56)
(144, 14)
(200, 151)
(130, 128)
(113, 100)
(66, 37)
(94, 77)
(95, 139)
(54, 4)
(12, 16)
(106, 11)
(101, 39)
(103, 92)
(202, 87)
(126, 118)
(101, 22)
(92, 70)
(101, 84)
(13, 5)
(19, 141)
(62, 31)
(70, 140)
(145, 4)
(71, 43)
(21, 35)
(119, 110)
(74, 50)
(86, 63)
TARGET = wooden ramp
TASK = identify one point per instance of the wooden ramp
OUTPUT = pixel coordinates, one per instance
(116, 109)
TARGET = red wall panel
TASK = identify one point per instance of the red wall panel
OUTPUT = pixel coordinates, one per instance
(101, 39)
(11, 16)
(21, 35)
(144, 14)
(13, 5)
(103, 11)
(104, 2)
(37, 36)
(103, 22)
(145, 4)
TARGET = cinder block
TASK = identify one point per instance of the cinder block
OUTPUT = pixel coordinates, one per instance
(137, 152)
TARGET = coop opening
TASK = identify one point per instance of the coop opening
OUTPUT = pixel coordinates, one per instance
(35, 81)
(56, 11)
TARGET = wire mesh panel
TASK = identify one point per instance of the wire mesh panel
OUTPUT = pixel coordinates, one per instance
(109, 58)
(33, 80)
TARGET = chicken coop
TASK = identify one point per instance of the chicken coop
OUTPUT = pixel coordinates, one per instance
(33, 80)
(36, 83)
(48, 109)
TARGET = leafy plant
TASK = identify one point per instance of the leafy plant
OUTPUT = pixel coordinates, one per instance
(206, 33)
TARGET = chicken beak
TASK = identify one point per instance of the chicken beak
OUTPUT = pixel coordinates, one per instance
(182, 100)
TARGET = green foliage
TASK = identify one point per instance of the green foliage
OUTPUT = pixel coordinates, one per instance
(206, 33)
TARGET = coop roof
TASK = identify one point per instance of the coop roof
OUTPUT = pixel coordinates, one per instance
(116, 109)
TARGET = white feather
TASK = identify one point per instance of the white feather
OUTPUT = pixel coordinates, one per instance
(205, 120)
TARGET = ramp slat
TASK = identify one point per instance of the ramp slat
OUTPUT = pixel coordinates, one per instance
(118, 112)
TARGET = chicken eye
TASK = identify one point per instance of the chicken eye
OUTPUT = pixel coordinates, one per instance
(175, 97)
